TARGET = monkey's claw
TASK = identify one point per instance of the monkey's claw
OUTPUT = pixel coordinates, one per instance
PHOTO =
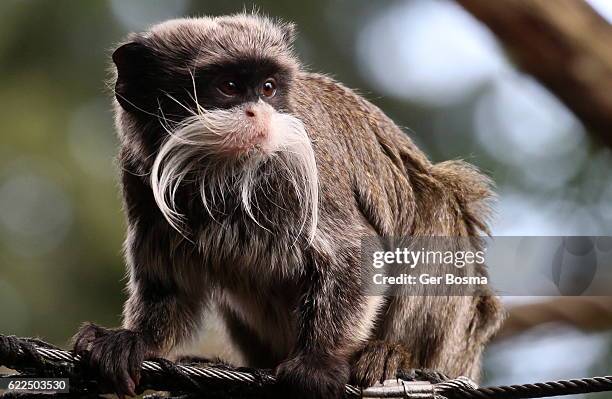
(379, 361)
(114, 356)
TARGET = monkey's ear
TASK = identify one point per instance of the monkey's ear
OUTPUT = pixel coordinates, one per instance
(289, 32)
(137, 68)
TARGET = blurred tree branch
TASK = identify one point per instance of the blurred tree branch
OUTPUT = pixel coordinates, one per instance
(587, 314)
(566, 45)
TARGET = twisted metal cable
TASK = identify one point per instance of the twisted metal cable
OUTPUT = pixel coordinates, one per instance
(34, 356)
(537, 390)
(156, 368)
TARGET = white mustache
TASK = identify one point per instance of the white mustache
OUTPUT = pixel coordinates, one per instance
(204, 138)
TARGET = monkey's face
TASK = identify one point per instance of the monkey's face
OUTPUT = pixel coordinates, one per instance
(209, 99)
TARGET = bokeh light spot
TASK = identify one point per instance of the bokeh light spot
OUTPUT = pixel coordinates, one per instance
(429, 51)
(34, 211)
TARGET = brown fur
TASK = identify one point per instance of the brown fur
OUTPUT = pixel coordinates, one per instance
(298, 308)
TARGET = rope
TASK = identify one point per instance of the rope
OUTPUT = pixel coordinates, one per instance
(35, 358)
(538, 389)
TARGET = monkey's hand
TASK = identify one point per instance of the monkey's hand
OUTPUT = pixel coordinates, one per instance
(113, 355)
(379, 361)
(312, 376)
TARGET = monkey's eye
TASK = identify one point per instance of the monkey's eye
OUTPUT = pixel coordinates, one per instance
(228, 87)
(268, 89)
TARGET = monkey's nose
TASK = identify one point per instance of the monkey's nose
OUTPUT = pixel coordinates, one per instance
(258, 110)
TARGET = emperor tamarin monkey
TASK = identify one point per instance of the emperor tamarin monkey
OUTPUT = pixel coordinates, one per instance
(248, 183)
